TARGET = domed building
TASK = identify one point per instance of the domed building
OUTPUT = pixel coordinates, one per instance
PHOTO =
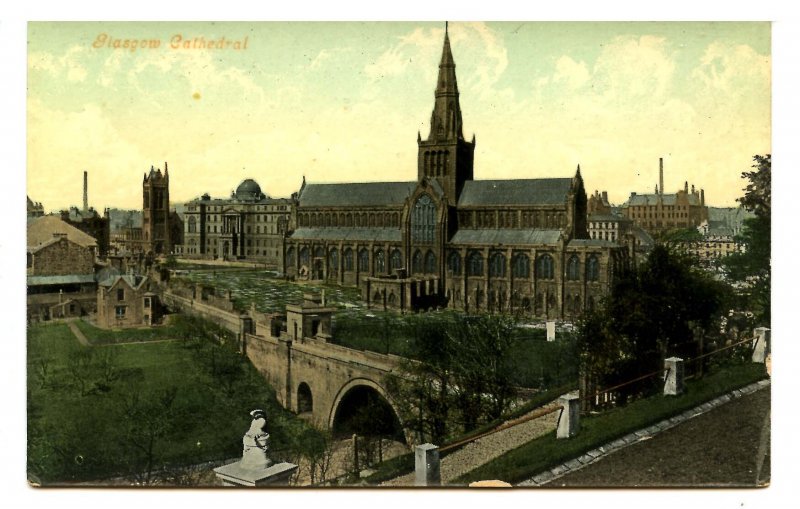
(248, 190)
(247, 226)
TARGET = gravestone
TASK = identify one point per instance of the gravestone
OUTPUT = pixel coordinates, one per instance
(551, 330)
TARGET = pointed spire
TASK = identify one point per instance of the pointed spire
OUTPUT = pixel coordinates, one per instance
(578, 172)
(166, 171)
(446, 115)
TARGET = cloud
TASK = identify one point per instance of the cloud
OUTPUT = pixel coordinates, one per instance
(571, 73)
(66, 66)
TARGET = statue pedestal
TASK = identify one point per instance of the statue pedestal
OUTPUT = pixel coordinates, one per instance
(233, 474)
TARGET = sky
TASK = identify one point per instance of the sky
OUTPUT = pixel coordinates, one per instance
(338, 102)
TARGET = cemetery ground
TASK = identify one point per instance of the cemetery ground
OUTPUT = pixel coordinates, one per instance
(541, 365)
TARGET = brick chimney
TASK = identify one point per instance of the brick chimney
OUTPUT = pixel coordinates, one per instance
(85, 191)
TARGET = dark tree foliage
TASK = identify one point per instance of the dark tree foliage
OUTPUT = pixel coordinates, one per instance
(751, 269)
(650, 314)
(462, 375)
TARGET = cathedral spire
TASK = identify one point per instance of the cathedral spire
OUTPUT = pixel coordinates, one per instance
(446, 116)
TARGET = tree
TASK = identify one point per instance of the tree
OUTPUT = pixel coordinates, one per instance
(650, 314)
(462, 374)
(751, 269)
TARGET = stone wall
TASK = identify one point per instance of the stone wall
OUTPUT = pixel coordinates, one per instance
(62, 258)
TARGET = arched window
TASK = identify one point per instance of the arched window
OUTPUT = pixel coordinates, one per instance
(304, 256)
(348, 259)
(573, 268)
(392, 299)
(423, 220)
(380, 262)
(363, 260)
(474, 264)
(333, 261)
(497, 265)
(396, 260)
(192, 227)
(416, 262)
(544, 267)
(319, 252)
(592, 268)
(290, 257)
(430, 262)
(454, 263)
(522, 266)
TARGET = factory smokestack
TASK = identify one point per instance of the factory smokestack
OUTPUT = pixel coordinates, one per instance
(85, 191)
(661, 175)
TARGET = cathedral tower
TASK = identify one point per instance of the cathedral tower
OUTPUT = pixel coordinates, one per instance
(445, 156)
(155, 211)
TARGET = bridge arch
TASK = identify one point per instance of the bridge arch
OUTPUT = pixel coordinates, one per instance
(354, 393)
(305, 399)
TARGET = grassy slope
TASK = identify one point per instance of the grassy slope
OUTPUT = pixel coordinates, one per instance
(546, 452)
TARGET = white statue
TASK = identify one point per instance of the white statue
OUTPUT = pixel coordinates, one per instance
(256, 442)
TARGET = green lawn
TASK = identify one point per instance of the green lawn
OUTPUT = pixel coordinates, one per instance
(98, 336)
(546, 452)
(94, 412)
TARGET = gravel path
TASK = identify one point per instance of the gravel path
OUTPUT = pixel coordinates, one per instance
(486, 449)
(78, 334)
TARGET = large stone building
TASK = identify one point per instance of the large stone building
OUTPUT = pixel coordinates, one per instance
(660, 212)
(60, 269)
(247, 226)
(446, 239)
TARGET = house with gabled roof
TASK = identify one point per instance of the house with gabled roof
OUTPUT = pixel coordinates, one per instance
(127, 300)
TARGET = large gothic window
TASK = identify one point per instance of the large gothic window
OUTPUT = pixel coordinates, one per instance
(319, 252)
(474, 264)
(423, 220)
(416, 262)
(397, 260)
(544, 267)
(333, 261)
(497, 265)
(522, 266)
(430, 262)
(573, 268)
(348, 259)
(304, 256)
(380, 262)
(454, 263)
(592, 268)
(363, 260)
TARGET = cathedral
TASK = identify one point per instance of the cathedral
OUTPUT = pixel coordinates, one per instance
(448, 240)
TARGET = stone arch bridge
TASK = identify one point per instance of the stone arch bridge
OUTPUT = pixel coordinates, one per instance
(323, 382)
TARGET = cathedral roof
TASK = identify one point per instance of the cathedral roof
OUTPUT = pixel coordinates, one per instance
(352, 234)
(552, 191)
(364, 194)
(506, 237)
(592, 243)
